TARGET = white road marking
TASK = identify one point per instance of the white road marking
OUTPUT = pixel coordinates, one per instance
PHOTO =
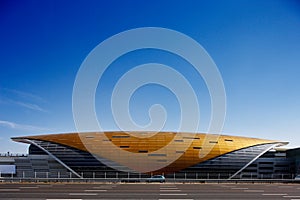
(170, 190)
(254, 191)
(239, 188)
(9, 190)
(175, 199)
(227, 186)
(275, 194)
(168, 186)
(173, 194)
(95, 190)
(83, 194)
(104, 187)
(291, 196)
(286, 186)
(46, 185)
(64, 199)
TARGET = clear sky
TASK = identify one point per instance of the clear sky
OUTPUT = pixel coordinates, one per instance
(255, 44)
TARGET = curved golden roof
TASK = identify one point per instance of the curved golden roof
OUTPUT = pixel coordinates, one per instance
(152, 152)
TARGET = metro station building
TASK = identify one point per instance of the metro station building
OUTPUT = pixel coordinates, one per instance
(118, 155)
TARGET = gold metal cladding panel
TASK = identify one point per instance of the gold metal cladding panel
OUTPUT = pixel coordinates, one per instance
(135, 144)
(67, 139)
(183, 149)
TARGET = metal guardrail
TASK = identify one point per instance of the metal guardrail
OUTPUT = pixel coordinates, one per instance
(13, 154)
(143, 180)
(120, 175)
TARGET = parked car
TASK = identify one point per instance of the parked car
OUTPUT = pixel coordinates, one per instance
(156, 178)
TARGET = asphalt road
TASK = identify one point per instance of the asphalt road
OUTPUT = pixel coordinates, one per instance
(166, 191)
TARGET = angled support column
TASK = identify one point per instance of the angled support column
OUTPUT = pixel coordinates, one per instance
(249, 163)
(53, 156)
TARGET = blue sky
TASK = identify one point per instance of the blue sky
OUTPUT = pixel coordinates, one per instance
(255, 45)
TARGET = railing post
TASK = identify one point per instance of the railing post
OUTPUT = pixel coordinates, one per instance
(93, 175)
(104, 175)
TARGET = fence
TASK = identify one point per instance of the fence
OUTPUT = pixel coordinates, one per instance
(137, 177)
